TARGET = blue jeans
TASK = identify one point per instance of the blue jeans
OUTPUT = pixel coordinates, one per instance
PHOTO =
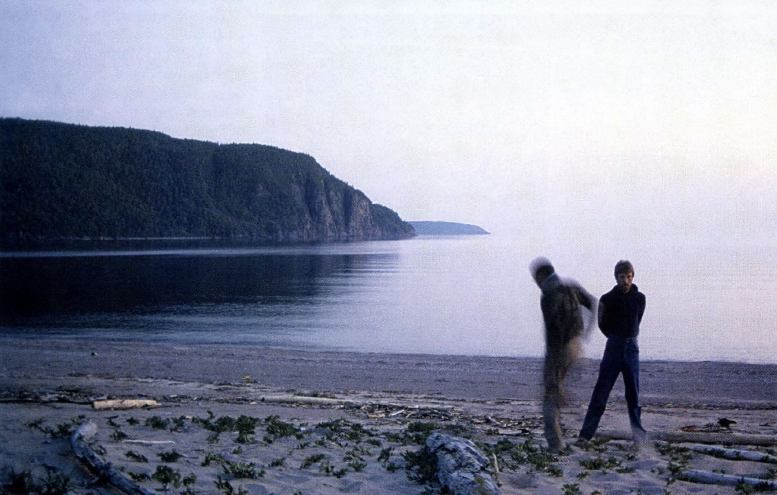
(620, 356)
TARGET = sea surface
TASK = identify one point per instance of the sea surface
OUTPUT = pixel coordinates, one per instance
(462, 295)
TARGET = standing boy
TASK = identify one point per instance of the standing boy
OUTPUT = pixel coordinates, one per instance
(560, 303)
(620, 313)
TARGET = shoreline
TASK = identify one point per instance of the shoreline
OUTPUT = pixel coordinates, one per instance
(459, 377)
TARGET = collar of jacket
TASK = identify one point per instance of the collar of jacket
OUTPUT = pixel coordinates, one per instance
(634, 289)
(550, 283)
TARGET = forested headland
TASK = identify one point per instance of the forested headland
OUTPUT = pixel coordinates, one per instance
(65, 181)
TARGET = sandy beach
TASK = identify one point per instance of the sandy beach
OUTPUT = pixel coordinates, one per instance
(317, 423)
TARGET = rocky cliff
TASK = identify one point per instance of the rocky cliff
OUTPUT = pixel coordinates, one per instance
(66, 181)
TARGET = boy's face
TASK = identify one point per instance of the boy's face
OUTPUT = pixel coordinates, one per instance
(624, 281)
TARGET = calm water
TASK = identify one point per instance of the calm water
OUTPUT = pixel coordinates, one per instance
(458, 295)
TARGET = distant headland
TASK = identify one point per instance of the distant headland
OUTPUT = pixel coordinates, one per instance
(446, 228)
(63, 181)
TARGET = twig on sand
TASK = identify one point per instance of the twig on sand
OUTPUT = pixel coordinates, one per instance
(103, 469)
(149, 442)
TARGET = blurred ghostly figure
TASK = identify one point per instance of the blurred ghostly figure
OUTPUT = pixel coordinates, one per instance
(561, 303)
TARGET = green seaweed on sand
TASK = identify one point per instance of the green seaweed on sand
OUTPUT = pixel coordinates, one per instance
(118, 435)
(421, 466)
(242, 470)
(171, 456)
(157, 423)
(281, 429)
(313, 459)
(166, 476)
(23, 483)
(135, 456)
(571, 489)
(417, 432)
(342, 430)
(599, 463)
(226, 487)
(211, 457)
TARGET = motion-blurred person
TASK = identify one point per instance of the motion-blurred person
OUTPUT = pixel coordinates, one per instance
(620, 313)
(564, 327)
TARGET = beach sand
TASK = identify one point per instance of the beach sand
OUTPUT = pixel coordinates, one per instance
(326, 422)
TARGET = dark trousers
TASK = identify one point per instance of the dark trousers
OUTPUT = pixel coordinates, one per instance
(620, 356)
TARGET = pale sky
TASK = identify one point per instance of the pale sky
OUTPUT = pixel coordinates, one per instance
(580, 118)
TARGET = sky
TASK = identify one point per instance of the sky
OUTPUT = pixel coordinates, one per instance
(578, 120)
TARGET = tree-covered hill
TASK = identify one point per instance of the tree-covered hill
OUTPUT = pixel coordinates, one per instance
(61, 181)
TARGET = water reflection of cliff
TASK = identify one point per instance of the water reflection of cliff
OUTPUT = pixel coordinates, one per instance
(58, 287)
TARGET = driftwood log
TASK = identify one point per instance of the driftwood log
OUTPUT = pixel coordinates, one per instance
(96, 464)
(124, 404)
(461, 467)
(737, 455)
(697, 437)
(696, 476)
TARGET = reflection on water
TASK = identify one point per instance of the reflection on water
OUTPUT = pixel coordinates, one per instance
(60, 286)
(471, 296)
(264, 296)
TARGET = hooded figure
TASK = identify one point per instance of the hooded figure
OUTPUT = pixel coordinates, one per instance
(561, 303)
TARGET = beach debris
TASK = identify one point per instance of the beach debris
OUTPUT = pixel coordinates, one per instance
(373, 409)
(708, 478)
(737, 455)
(722, 425)
(707, 428)
(64, 396)
(96, 464)
(123, 404)
(461, 467)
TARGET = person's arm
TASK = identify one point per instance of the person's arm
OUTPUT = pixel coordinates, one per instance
(547, 310)
(586, 299)
(641, 308)
(604, 318)
(589, 301)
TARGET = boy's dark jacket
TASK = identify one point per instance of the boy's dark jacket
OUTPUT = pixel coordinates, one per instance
(620, 314)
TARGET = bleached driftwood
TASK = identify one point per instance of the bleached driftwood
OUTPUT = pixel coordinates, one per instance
(124, 404)
(696, 476)
(744, 455)
(96, 464)
(461, 467)
(697, 437)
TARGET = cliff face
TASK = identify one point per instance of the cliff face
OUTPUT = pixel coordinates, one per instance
(67, 181)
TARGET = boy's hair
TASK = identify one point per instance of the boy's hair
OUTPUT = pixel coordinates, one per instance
(623, 266)
(541, 267)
